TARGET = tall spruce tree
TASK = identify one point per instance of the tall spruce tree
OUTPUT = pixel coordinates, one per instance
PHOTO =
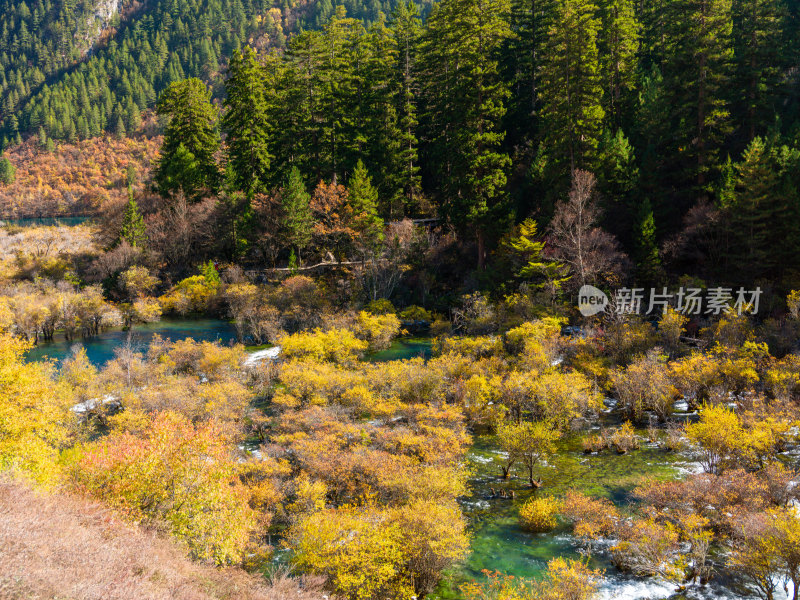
(697, 73)
(363, 201)
(407, 29)
(757, 31)
(530, 21)
(133, 230)
(571, 86)
(246, 123)
(297, 218)
(466, 97)
(619, 45)
(187, 160)
(648, 262)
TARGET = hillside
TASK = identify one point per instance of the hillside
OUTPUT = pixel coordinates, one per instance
(73, 179)
(61, 546)
(74, 70)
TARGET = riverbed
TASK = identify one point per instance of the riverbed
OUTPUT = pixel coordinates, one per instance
(498, 543)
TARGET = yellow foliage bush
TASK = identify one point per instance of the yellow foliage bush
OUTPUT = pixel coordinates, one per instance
(539, 514)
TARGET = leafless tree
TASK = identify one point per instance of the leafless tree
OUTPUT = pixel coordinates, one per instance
(576, 239)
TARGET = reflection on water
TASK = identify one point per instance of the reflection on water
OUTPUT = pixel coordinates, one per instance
(100, 349)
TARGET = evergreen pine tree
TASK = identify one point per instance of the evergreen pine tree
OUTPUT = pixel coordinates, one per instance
(187, 159)
(133, 229)
(648, 262)
(697, 73)
(618, 44)
(298, 220)
(571, 86)
(246, 123)
(466, 98)
(8, 171)
(757, 31)
(363, 201)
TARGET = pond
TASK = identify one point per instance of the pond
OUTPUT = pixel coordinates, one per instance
(45, 221)
(100, 348)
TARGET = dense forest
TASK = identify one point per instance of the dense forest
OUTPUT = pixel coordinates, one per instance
(685, 111)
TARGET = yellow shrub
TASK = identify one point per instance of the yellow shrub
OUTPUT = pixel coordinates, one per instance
(539, 514)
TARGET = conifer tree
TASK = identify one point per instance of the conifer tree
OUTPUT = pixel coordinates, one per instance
(466, 103)
(363, 201)
(298, 220)
(756, 213)
(133, 229)
(617, 181)
(8, 172)
(618, 44)
(571, 86)
(697, 74)
(758, 27)
(407, 29)
(530, 21)
(246, 123)
(648, 263)
(187, 158)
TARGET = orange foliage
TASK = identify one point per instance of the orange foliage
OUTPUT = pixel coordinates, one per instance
(76, 179)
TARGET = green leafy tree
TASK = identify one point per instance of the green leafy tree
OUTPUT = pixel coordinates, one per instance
(187, 160)
(298, 220)
(246, 123)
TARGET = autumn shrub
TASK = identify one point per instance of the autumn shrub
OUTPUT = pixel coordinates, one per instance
(378, 330)
(381, 306)
(339, 346)
(177, 473)
(563, 397)
(591, 518)
(649, 548)
(358, 549)
(644, 385)
(539, 514)
(196, 294)
(35, 422)
(624, 439)
(416, 313)
(474, 347)
(623, 340)
(565, 579)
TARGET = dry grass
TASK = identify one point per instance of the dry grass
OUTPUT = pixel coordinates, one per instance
(61, 546)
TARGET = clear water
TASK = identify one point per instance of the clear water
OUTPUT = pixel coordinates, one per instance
(100, 349)
(45, 221)
(403, 348)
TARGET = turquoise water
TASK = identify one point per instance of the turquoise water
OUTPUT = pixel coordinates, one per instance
(45, 221)
(403, 348)
(100, 349)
